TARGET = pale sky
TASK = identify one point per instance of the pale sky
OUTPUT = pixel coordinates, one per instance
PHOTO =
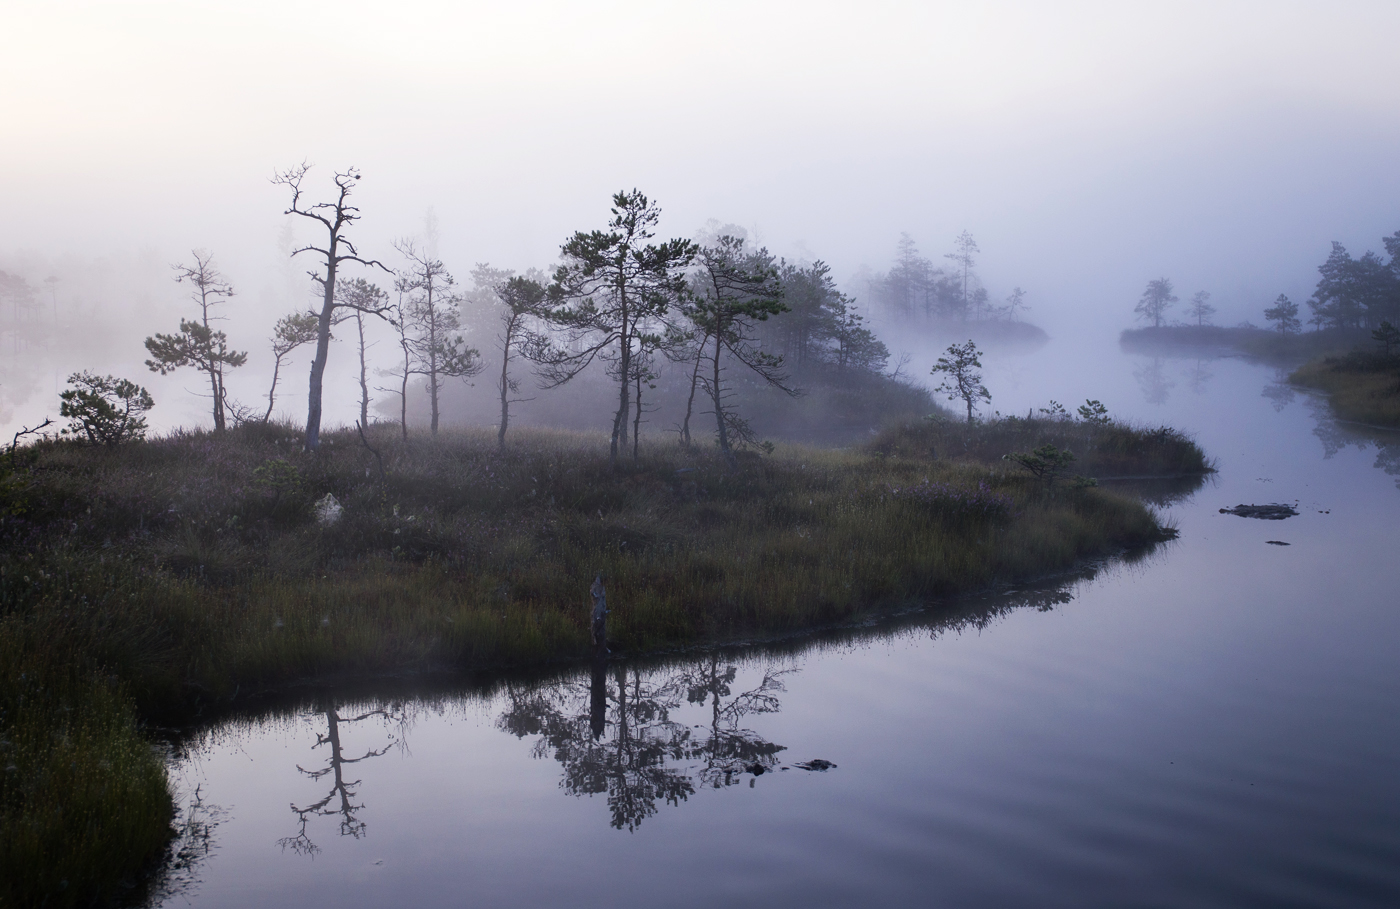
(1088, 146)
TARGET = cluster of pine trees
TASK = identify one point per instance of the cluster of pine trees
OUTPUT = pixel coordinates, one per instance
(1357, 293)
(718, 310)
(915, 287)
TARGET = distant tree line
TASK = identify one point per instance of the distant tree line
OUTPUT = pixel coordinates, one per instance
(1351, 293)
(1357, 293)
(914, 287)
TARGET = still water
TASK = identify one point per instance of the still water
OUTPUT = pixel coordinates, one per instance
(1213, 724)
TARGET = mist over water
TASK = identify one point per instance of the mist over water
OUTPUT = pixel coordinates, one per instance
(1209, 723)
(1087, 146)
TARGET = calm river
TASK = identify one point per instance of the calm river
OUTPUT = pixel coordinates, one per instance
(1212, 725)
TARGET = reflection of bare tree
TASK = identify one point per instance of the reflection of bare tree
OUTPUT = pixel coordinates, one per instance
(618, 736)
(1199, 376)
(340, 799)
(1154, 382)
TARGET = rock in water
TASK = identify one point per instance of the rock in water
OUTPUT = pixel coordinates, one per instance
(1277, 543)
(328, 510)
(818, 764)
(1263, 512)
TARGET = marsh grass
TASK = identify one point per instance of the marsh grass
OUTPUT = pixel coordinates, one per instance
(1363, 385)
(1101, 450)
(84, 801)
(164, 579)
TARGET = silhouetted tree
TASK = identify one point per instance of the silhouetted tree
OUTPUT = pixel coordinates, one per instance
(1387, 336)
(907, 287)
(524, 304)
(1201, 310)
(434, 326)
(611, 284)
(961, 376)
(1356, 293)
(291, 332)
(1015, 304)
(1284, 315)
(104, 409)
(855, 347)
(361, 297)
(732, 291)
(964, 257)
(399, 319)
(197, 343)
(1156, 300)
(336, 217)
(23, 309)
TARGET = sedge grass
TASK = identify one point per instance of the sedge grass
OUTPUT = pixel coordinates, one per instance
(1362, 386)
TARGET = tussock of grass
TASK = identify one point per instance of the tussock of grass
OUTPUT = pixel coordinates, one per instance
(182, 571)
(1101, 450)
(1363, 386)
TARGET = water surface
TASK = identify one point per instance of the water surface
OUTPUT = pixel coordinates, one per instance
(1211, 725)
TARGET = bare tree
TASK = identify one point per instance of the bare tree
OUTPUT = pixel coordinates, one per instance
(362, 296)
(197, 343)
(611, 283)
(291, 332)
(434, 330)
(399, 319)
(965, 257)
(336, 217)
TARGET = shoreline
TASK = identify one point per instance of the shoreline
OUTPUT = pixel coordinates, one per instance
(190, 575)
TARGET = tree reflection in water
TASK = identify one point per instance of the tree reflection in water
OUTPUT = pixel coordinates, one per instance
(729, 749)
(1198, 376)
(1336, 436)
(1280, 394)
(340, 799)
(619, 736)
(1153, 381)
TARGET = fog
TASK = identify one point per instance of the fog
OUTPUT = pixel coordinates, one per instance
(1088, 147)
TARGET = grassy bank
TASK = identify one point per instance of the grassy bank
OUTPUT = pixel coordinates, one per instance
(160, 579)
(1100, 450)
(1363, 385)
(1258, 343)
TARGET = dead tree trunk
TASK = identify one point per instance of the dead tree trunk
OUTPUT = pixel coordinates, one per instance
(600, 616)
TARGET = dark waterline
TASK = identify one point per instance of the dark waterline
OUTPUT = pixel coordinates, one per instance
(1211, 725)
